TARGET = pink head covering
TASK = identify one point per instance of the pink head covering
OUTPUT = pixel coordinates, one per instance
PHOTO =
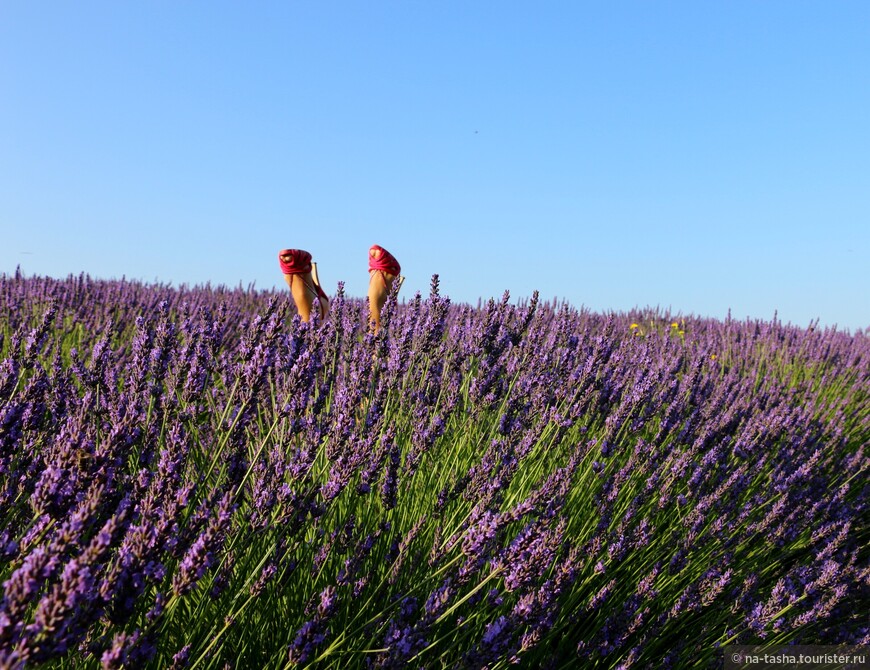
(387, 262)
(300, 261)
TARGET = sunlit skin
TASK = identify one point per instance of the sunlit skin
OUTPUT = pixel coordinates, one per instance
(380, 285)
(304, 295)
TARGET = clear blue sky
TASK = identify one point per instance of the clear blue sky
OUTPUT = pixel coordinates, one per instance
(698, 156)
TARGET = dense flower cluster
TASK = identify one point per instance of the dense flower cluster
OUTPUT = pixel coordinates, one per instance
(192, 477)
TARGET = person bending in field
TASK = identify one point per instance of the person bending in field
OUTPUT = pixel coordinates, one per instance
(301, 276)
(384, 269)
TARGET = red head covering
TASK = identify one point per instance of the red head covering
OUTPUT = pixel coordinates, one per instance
(387, 262)
(300, 261)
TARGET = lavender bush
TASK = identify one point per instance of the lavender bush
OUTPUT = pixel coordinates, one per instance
(193, 478)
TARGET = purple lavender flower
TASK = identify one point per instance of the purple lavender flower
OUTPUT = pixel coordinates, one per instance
(389, 487)
(530, 554)
(315, 631)
(202, 554)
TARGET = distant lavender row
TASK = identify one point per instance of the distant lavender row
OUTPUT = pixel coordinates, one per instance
(191, 477)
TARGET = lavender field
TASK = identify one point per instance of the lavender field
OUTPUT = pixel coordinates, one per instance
(193, 478)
